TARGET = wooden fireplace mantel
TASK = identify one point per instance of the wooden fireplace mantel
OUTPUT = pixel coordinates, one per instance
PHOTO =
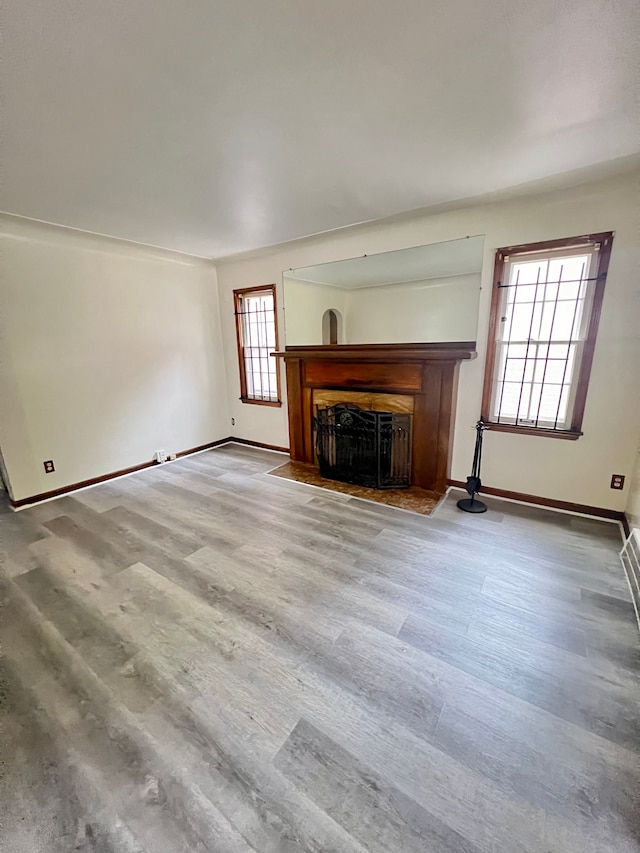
(426, 372)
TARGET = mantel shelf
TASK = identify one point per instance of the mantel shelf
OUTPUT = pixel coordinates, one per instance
(445, 351)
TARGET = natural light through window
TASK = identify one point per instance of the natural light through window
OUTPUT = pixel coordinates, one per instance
(543, 308)
(256, 326)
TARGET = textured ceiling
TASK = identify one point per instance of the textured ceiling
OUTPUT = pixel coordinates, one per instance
(217, 126)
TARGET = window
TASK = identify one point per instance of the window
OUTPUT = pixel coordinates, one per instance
(544, 319)
(257, 330)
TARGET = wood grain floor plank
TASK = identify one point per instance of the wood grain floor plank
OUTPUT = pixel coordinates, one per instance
(494, 747)
(378, 814)
(324, 675)
(488, 614)
(540, 675)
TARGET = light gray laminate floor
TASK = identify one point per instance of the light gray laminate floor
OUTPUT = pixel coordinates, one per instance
(200, 658)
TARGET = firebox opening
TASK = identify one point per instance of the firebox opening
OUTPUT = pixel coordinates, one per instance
(366, 448)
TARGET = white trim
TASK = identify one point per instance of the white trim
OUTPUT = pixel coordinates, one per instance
(630, 554)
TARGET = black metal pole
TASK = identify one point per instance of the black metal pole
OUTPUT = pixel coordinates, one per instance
(474, 484)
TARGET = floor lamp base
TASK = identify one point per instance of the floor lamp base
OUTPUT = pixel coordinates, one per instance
(471, 505)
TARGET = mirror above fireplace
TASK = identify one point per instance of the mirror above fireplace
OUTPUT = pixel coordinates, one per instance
(423, 294)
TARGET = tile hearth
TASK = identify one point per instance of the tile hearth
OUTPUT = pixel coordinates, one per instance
(412, 499)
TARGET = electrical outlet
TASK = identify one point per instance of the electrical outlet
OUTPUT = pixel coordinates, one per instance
(617, 481)
(161, 456)
(49, 467)
(233, 421)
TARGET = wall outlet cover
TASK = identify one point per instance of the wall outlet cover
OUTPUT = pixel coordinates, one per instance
(49, 467)
(161, 455)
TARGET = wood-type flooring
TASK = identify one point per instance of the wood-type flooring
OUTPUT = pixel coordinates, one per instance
(201, 657)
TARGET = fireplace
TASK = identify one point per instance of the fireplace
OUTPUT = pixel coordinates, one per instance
(367, 448)
(415, 379)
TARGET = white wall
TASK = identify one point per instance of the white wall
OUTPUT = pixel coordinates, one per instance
(577, 471)
(108, 352)
(443, 309)
(304, 306)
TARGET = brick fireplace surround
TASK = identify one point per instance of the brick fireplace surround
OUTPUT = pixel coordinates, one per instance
(419, 378)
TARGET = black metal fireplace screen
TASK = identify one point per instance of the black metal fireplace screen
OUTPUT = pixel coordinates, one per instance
(366, 448)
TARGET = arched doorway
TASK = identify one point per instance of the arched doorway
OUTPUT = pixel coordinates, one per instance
(331, 327)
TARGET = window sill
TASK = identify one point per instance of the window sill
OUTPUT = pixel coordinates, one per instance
(566, 434)
(276, 403)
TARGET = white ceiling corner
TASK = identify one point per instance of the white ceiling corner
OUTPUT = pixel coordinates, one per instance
(218, 127)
